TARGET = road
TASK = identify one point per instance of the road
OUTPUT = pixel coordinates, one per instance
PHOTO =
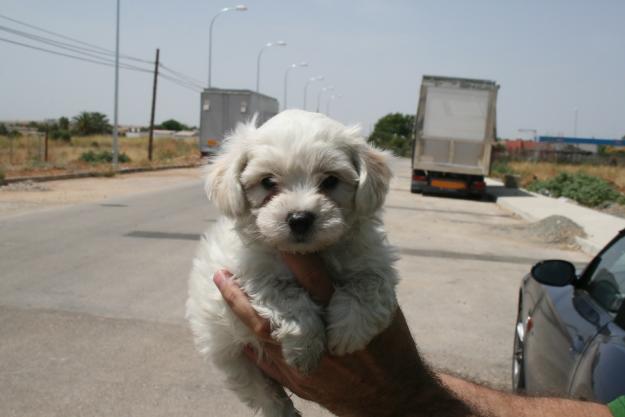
(92, 299)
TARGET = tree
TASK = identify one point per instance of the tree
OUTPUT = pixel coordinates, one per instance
(394, 132)
(63, 123)
(3, 129)
(173, 124)
(14, 134)
(91, 123)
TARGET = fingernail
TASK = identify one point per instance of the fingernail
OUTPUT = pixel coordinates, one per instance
(220, 277)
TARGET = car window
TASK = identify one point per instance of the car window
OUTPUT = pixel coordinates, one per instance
(607, 282)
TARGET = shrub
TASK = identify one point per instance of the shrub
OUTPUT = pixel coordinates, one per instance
(1, 176)
(102, 156)
(581, 187)
(501, 169)
(60, 134)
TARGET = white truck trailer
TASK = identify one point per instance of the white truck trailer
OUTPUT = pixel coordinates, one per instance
(454, 132)
(223, 109)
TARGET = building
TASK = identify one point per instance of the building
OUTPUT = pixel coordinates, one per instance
(592, 145)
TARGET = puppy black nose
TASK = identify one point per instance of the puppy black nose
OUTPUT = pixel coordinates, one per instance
(300, 221)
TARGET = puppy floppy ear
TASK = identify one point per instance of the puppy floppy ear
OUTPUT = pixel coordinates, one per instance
(374, 176)
(223, 185)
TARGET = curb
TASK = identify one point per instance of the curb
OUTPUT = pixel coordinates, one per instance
(94, 174)
(504, 204)
(586, 245)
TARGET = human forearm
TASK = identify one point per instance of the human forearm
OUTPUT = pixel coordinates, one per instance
(491, 403)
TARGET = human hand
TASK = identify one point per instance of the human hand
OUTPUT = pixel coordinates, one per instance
(381, 380)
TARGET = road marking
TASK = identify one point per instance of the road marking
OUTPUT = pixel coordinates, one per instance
(145, 234)
(469, 213)
(429, 253)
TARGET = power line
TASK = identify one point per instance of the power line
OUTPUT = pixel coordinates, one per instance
(79, 58)
(104, 50)
(57, 44)
(180, 82)
(92, 54)
(192, 80)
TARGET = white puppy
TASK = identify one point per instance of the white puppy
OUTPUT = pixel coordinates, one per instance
(300, 183)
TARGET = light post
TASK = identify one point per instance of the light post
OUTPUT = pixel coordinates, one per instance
(115, 107)
(575, 123)
(310, 80)
(286, 75)
(330, 99)
(260, 53)
(321, 91)
(239, 8)
(534, 133)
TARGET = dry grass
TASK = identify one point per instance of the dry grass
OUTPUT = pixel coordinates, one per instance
(24, 155)
(544, 170)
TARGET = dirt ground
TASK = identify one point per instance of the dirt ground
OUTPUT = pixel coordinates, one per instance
(26, 198)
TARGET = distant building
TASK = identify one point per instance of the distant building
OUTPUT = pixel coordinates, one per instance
(584, 144)
(520, 145)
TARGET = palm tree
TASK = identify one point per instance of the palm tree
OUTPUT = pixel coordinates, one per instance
(90, 123)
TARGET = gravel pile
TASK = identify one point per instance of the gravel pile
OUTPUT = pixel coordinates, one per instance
(614, 209)
(557, 230)
(27, 185)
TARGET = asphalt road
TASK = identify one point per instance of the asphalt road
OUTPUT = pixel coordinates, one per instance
(92, 300)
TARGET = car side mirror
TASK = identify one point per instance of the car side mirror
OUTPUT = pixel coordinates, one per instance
(554, 272)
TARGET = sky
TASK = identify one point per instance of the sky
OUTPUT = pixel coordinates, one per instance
(552, 58)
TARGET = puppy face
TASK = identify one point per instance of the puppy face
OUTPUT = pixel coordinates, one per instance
(299, 182)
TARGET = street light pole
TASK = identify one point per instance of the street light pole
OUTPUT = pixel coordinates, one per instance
(330, 99)
(260, 53)
(239, 8)
(321, 91)
(310, 80)
(575, 124)
(115, 107)
(286, 76)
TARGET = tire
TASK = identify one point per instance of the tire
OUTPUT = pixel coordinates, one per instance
(518, 354)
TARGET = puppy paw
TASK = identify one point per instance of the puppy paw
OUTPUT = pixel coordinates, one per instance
(303, 355)
(345, 338)
(352, 323)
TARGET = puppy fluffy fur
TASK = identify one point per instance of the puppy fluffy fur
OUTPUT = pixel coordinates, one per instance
(297, 162)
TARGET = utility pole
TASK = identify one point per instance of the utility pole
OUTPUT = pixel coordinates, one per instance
(45, 153)
(115, 131)
(151, 138)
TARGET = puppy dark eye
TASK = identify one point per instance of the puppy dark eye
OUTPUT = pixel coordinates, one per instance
(329, 183)
(268, 183)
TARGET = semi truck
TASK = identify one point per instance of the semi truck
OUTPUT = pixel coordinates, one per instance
(223, 109)
(454, 131)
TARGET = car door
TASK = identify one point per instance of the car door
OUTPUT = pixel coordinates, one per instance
(599, 375)
(565, 320)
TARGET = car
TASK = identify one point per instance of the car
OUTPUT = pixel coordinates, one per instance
(569, 337)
